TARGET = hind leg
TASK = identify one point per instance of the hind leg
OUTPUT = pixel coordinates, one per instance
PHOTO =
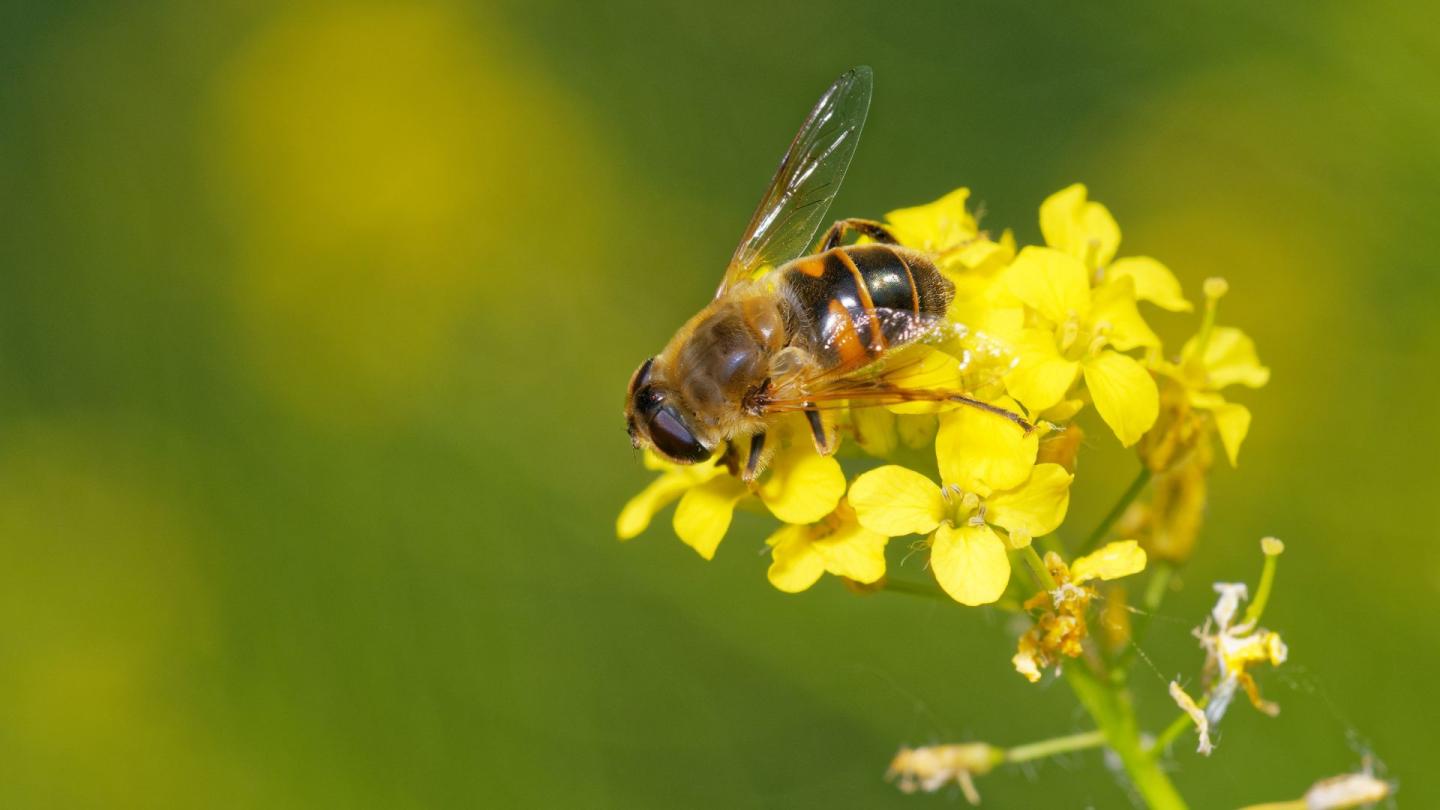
(868, 227)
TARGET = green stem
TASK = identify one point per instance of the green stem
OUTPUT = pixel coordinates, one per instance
(1038, 569)
(1053, 746)
(1105, 697)
(1173, 731)
(1159, 584)
(1113, 712)
(1136, 487)
(1262, 593)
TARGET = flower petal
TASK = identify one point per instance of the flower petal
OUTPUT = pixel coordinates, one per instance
(935, 226)
(803, 486)
(1115, 309)
(1124, 394)
(874, 429)
(855, 552)
(1232, 421)
(1035, 508)
(1052, 283)
(1041, 376)
(1153, 282)
(1083, 229)
(915, 430)
(635, 517)
(895, 501)
(1119, 559)
(1230, 359)
(981, 452)
(983, 256)
(1102, 235)
(970, 563)
(704, 513)
(795, 562)
(926, 368)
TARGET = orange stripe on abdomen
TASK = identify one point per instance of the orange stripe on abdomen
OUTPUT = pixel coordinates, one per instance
(844, 339)
(872, 321)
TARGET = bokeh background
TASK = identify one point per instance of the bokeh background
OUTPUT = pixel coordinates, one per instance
(315, 320)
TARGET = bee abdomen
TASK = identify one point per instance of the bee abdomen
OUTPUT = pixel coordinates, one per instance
(834, 298)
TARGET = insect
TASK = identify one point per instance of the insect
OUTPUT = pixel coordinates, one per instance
(795, 329)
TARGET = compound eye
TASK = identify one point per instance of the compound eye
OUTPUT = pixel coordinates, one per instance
(641, 376)
(673, 439)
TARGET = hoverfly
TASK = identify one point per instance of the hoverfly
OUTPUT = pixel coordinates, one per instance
(794, 329)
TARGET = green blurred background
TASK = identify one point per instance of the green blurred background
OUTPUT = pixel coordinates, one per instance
(315, 320)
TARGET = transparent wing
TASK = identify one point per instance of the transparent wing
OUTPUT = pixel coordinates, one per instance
(884, 330)
(792, 209)
(910, 369)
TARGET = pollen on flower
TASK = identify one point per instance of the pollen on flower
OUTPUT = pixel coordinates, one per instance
(1060, 627)
(1272, 546)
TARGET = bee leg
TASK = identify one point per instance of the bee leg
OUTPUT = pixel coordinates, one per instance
(757, 450)
(1019, 420)
(730, 459)
(869, 227)
(817, 432)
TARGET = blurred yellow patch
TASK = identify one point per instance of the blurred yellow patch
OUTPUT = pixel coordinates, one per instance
(366, 156)
(106, 611)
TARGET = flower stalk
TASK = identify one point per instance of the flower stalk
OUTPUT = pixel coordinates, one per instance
(1107, 523)
(1112, 710)
(1055, 746)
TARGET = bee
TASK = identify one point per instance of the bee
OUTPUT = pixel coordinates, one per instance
(796, 329)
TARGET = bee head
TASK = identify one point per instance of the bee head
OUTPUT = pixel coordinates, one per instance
(655, 417)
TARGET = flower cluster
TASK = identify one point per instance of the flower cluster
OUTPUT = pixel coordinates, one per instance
(1056, 336)
(1046, 331)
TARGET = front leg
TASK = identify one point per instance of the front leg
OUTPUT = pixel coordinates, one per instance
(752, 464)
(823, 445)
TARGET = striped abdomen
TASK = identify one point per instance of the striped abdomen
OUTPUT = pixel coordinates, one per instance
(850, 304)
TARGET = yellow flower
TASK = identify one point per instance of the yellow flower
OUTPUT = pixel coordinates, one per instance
(951, 234)
(1216, 358)
(1086, 230)
(837, 544)
(799, 487)
(880, 432)
(674, 481)
(1076, 331)
(1060, 628)
(992, 483)
(935, 227)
